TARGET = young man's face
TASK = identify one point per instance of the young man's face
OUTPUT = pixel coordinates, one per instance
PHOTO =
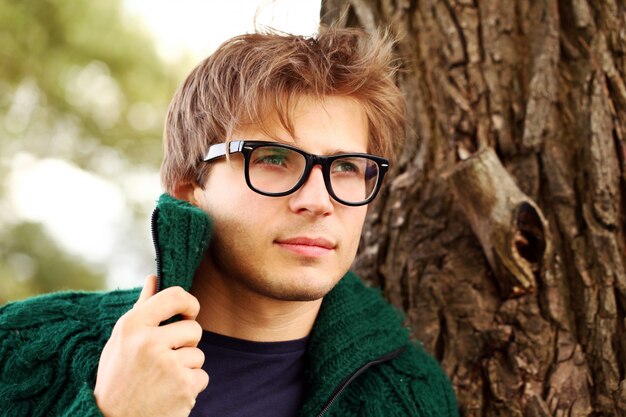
(257, 244)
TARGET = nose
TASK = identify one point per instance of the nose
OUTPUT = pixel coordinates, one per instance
(312, 197)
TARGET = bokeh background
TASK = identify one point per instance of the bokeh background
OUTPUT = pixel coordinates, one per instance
(84, 88)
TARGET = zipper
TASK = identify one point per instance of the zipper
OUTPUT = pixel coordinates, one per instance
(344, 384)
(157, 250)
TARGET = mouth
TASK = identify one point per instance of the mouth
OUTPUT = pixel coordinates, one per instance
(305, 246)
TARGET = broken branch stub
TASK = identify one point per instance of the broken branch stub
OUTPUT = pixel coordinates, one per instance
(509, 225)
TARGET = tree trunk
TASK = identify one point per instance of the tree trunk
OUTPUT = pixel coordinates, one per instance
(501, 231)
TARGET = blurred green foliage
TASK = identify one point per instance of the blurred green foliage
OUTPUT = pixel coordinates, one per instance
(33, 264)
(61, 46)
(78, 80)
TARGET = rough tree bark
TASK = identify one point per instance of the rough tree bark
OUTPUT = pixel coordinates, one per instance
(501, 231)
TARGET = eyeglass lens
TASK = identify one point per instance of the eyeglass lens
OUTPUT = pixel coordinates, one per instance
(274, 169)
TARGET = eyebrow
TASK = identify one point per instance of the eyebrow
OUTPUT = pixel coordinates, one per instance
(342, 151)
(292, 142)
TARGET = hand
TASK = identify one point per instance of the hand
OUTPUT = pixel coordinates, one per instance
(151, 370)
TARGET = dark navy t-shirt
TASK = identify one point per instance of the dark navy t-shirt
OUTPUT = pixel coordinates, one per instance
(249, 379)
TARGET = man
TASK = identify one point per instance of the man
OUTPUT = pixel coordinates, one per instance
(282, 141)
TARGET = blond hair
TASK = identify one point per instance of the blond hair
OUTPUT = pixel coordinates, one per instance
(253, 76)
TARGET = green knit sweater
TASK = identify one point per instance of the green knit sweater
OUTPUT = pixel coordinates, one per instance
(360, 359)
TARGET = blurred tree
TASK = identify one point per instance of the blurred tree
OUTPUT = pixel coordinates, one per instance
(83, 70)
(503, 232)
(31, 263)
(82, 82)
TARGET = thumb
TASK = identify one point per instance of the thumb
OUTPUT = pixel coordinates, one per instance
(148, 290)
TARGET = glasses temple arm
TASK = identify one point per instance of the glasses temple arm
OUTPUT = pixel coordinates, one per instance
(219, 149)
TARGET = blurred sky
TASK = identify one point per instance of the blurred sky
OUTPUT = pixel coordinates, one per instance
(40, 189)
(199, 27)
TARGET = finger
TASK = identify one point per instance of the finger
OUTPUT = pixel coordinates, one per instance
(184, 333)
(167, 304)
(200, 378)
(189, 357)
(148, 290)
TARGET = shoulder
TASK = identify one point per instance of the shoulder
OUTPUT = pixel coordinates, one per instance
(430, 387)
(72, 308)
(413, 383)
(50, 346)
(353, 295)
(53, 317)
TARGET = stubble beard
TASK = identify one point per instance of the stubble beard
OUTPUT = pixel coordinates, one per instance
(268, 281)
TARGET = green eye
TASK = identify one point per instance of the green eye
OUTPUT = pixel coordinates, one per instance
(345, 167)
(272, 160)
(272, 156)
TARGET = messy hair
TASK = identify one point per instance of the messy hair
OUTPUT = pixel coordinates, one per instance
(255, 76)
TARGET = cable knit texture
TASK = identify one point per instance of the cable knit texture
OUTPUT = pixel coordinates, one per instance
(183, 235)
(50, 345)
(355, 326)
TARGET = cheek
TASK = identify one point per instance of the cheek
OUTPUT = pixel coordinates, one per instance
(232, 235)
(354, 225)
(236, 214)
(224, 193)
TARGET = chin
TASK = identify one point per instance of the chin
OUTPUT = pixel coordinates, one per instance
(306, 289)
(311, 293)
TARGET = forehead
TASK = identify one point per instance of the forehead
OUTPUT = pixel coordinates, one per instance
(318, 125)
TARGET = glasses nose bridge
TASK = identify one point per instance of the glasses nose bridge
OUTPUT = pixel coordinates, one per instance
(316, 160)
(312, 162)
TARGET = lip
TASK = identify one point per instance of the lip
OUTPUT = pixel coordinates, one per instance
(306, 246)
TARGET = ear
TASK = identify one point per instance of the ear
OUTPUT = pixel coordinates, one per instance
(186, 191)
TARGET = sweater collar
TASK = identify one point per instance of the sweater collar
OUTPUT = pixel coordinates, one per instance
(354, 327)
(181, 233)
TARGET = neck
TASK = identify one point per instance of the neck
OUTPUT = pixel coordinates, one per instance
(231, 309)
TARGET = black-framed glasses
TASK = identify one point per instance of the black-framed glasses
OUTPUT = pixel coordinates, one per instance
(276, 169)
